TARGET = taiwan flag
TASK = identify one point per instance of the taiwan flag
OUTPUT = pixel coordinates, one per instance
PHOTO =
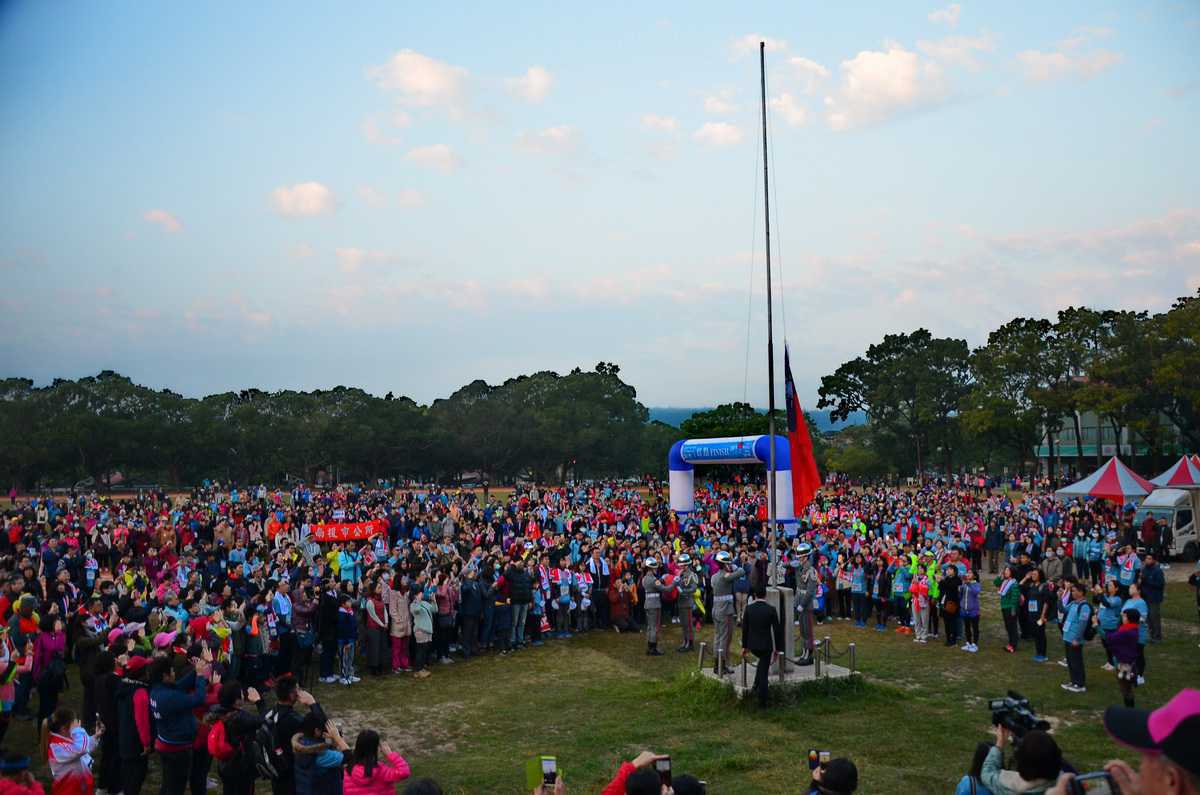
(805, 477)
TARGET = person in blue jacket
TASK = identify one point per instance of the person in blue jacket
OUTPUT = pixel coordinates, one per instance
(320, 754)
(177, 688)
(1137, 602)
(1108, 604)
(1078, 617)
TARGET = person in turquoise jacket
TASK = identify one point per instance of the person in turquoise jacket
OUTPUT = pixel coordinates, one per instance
(1079, 616)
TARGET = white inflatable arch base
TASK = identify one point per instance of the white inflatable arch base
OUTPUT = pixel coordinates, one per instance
(687, 453)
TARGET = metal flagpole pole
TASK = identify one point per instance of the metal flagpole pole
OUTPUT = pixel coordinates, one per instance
(762, 68)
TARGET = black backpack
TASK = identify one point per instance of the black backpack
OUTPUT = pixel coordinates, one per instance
(267, 758)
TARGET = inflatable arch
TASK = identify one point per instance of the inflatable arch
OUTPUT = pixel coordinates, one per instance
(686, 453)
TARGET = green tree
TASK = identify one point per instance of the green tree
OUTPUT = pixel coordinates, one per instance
(909, 385)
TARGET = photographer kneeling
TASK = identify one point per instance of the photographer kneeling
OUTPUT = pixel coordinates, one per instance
(1037, 760)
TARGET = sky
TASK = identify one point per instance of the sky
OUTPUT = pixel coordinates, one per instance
(406, 197)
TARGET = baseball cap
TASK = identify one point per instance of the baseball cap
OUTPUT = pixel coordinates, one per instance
(1172, 730)
(164, 639)
(135, 664)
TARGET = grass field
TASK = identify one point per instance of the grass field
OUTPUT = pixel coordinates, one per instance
(911, 724)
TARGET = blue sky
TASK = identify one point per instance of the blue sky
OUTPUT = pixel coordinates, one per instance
(406, 197)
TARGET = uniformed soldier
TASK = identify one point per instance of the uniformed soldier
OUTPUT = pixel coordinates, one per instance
(687, 582)
(806, 591)
(654, 589)
(723, 610)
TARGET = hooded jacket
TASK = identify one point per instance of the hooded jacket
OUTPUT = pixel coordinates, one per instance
(317, 768)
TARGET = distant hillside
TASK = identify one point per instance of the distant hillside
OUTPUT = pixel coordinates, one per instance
(674, 416)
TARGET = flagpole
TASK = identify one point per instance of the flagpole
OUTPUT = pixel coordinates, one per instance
(762, 71)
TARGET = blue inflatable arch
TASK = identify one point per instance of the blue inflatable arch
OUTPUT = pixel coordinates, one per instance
(687, 453)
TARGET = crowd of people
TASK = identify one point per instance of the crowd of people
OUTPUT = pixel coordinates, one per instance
(181, 612)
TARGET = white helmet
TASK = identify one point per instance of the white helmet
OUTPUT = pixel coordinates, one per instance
(652, 563)
(724, 557)
(685, 559)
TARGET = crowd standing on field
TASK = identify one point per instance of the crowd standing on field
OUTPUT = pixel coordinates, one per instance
(183, 613)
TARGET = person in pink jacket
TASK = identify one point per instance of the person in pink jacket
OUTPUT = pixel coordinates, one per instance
(367, 774)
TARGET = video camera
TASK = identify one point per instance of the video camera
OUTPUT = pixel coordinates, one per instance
(1014, 713)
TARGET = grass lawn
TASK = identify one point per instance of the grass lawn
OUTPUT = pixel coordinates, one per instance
(911, 725)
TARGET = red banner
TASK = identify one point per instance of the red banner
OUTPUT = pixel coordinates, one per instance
(346, 531)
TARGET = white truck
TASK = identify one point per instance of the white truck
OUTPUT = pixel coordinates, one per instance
(1179, 507)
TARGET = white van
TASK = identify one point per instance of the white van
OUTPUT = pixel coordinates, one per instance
(1179, 507)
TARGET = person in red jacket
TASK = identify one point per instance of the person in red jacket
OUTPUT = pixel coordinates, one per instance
(640, 762)
(15, 778)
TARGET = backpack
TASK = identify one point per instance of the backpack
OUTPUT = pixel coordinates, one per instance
(267, 758)
(238, 760)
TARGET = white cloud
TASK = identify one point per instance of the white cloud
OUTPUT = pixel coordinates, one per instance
(410, 197)
(1042, 66)
(749, 44)
(718, 133)
(810, 73)
(351, 260)
(653, 121)
(718, 104)
(946, 16)
(878, 85)
(371, 197)
(533, 86)
(958, 50)
(303, 199)
(436, 156)
(164, 219)
(789, 109)
(562, 139)
(1068, 60)
(421, 81)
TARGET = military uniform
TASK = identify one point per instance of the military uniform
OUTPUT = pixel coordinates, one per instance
(806, 591)
(723, 614)
(654, 589)
(687, 582)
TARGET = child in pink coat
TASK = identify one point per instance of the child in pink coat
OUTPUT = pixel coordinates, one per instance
(367, 774)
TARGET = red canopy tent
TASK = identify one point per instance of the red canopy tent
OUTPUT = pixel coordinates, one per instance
(1196, 460)
(1114, 481)
(1182, 473)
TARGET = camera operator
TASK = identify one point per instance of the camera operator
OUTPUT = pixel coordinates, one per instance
(1037, 760)
(835, 777)
(1167, 739)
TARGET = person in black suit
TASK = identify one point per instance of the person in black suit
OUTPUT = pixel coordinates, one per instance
(762, 633)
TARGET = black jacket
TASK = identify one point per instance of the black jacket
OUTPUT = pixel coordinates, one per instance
(327, 620)
(762, 632)
(520, 589)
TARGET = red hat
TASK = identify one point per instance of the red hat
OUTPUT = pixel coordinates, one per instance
(1172, 730)
(135, 664)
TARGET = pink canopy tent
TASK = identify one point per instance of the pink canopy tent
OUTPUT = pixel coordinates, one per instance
(1182, 473)
(1114, 481)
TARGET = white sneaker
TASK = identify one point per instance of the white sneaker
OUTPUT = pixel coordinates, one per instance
(966, 647)
(345, 681)
(1063, 663)
(1141, 680)
(354, 678)
(328, 679)
(1108, 667)
(973, 648)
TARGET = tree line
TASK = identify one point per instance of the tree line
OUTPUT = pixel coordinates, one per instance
(543, 426)
(933, 403)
